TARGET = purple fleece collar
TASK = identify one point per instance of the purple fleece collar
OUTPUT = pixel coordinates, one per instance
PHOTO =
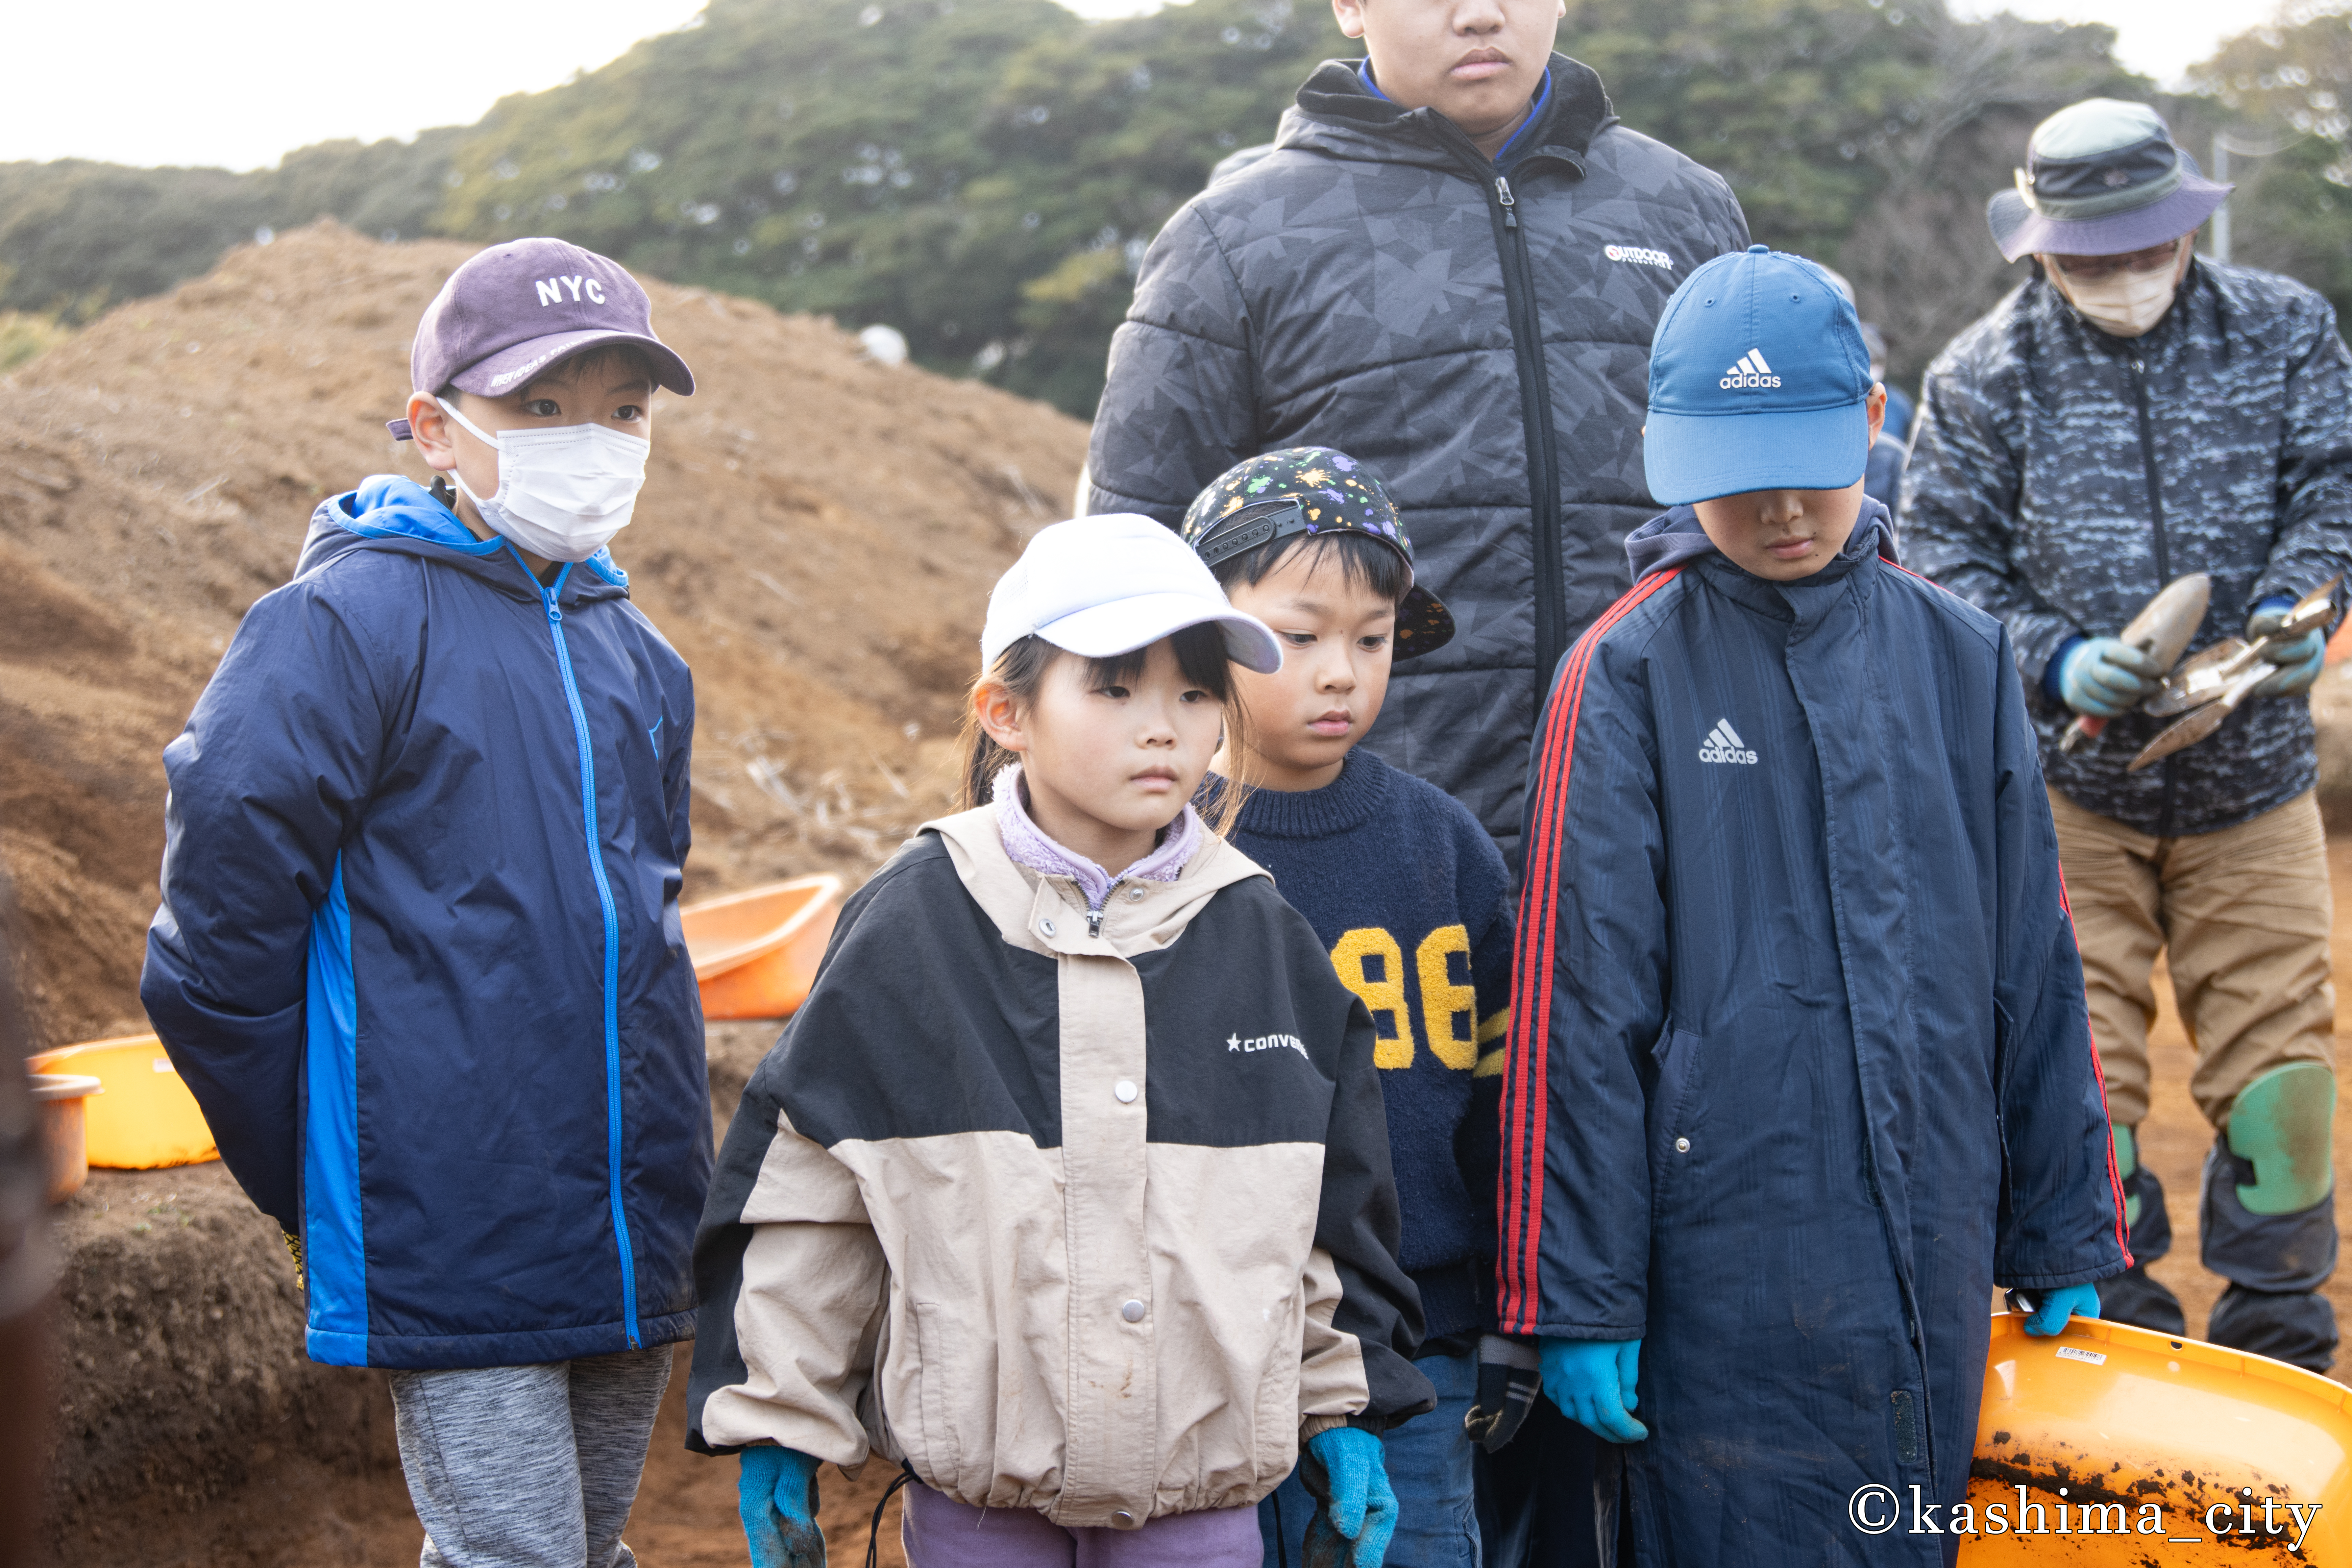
(1028, 846)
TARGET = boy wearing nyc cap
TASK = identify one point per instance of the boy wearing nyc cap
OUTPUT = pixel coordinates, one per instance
(1799, 1067)
(418, 954)
(1411, 898)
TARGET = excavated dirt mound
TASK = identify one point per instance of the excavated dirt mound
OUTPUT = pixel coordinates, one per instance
(817, 536)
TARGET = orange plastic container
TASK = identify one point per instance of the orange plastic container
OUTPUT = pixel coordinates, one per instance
(64, 1100)
(755, 953)
(147, 1118)
(2140, 1449)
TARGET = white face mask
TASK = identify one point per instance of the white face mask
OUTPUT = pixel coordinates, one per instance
(562, 492)
(2124, 304)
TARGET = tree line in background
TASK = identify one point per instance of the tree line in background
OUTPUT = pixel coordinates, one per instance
(984, 175)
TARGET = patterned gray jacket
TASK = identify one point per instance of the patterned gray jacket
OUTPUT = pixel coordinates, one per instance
(1479, 338)
(2061, 475)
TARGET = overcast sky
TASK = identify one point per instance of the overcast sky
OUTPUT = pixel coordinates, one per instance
(2161, 38)
(240, 85)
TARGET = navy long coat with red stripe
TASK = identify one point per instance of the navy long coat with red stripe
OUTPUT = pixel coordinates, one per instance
(1799, 1064)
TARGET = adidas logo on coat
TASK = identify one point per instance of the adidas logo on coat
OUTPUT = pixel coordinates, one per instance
(1751, 370)
(1724, 745)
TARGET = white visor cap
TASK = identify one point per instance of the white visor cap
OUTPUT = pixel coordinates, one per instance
(1101, 586)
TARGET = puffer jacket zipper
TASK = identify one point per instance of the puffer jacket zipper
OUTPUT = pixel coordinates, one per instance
(547, 598)
(1526, 320)
(2155, 483)
(1535, 413)
(1542, 441)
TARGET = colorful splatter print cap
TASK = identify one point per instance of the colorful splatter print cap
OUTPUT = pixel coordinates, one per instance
(1312, 490)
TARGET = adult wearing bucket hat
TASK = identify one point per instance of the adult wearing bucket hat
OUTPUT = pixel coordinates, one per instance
(2132, 413)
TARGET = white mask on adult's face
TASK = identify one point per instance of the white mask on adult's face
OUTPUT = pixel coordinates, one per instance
(2122, 304)
(562, 491)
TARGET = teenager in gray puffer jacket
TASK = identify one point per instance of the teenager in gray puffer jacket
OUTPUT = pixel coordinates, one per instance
(1474, 331)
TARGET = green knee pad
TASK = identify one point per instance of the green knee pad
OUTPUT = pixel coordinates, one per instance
(2284, 1123)
(2126, 1161)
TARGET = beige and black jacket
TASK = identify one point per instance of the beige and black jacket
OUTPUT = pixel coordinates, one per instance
(1094, 1222)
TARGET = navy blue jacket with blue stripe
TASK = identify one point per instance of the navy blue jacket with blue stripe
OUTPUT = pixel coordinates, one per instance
(1799, 1064)
(419, 956)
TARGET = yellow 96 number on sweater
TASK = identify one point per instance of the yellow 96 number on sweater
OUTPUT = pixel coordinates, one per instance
(1370, 963)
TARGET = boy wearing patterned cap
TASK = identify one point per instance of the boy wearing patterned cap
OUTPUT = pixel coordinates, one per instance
(1409, 894)
(418, 955)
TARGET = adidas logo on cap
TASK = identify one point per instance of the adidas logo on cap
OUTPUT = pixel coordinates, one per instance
(1724, 745)
(1751, 370)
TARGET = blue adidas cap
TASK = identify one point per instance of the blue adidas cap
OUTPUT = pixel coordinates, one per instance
(1759, 381)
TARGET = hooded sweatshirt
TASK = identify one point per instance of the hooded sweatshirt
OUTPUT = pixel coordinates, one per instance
(418, 956)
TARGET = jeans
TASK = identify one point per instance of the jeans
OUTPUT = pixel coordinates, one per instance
(1428, 1462)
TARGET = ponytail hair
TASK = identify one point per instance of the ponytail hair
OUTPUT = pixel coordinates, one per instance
(1020, 673)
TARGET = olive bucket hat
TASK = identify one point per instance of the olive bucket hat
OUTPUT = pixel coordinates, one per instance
(2102, 178)
(1311, 490)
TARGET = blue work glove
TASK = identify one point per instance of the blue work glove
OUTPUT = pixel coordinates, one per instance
(1346, 1474)
(2299, 662)
(1592, 1381)
(2107, 676)
(777, 1497)
(2067, 1301)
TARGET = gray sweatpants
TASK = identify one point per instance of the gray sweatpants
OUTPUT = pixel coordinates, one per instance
(529, 1466)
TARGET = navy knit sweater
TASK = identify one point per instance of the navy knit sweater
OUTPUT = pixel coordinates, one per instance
(1412, 898)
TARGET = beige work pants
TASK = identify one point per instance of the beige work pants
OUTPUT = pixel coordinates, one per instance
(2242, 916)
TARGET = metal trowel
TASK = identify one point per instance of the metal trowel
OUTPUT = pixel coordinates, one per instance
(2227, 682)
(2162, 630)
(2198, 681)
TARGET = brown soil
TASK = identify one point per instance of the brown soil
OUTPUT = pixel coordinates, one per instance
(817, 537)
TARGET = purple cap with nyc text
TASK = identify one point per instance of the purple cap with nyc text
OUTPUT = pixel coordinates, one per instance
(515, 309)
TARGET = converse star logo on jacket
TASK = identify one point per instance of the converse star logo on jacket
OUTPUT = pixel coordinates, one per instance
(1265, 1043)
(1724, 745)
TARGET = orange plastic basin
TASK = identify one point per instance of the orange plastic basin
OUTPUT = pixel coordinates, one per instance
(2140, 1449)
(755, 953)
(146, 1119)
(64, 1100)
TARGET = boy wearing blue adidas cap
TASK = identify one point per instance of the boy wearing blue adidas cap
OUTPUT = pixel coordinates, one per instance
(1799, 1066)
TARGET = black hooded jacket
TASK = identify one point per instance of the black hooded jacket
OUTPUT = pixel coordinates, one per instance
(1479, 338)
